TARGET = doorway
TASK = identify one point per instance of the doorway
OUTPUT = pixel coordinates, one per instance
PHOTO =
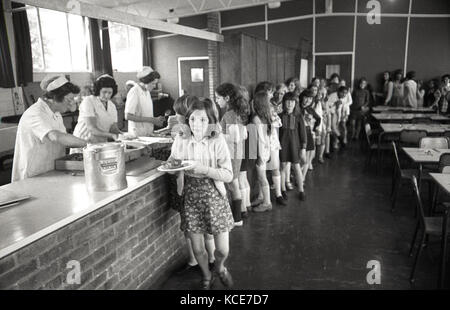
(329, 64)
(193, 76)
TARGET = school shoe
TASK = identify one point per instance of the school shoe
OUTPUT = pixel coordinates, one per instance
(187, 268)
(281, 201)
(257, 202)
(225, 278)
(284, 194)
(239, 224)
(320, 160)
(327, 155)
(262, 208)
(244, 215)
(302, 196)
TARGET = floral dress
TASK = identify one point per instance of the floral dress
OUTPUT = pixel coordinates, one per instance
(205, 210)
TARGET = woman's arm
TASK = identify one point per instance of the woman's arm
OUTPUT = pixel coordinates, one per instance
(66, 139)
(91, 125)
(158, 121)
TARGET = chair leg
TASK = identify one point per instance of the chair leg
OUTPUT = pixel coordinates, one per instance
(434, 201)
(430, 196)
(413, 242)
(396, 190)
(412, 279)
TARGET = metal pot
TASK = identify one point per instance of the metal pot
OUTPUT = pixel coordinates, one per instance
(104, 167)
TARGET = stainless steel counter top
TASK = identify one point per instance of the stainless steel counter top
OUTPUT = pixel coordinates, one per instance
(58, 198)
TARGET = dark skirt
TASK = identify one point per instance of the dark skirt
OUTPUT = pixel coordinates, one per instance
(245, 162)
(310, 145)
(205, 211)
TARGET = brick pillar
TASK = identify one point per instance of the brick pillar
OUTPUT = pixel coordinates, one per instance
(213, 52)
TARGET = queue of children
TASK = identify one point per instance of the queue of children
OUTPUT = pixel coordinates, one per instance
(277, 129)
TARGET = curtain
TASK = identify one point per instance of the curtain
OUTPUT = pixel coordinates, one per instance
(97, 54)
(6, 69)
(24, 58)
(146, 48)
(107, 63)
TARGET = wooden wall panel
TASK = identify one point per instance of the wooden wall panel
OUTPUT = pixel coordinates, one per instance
(272, 65)
(280, 65)
(289, 64)
(261, 61)
(248, 62)
(229, 60)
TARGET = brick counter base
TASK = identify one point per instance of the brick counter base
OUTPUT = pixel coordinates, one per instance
(132, 243)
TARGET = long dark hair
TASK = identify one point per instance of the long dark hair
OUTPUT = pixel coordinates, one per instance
(262, 108)
(237, 102)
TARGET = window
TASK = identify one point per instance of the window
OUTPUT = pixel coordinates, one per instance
(59, 41)
(126, 47)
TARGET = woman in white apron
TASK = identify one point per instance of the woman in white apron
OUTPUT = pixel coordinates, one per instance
(97, 121)
(139, 104)
(41, 135)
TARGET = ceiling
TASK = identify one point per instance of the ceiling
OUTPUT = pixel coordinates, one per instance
(160, 9)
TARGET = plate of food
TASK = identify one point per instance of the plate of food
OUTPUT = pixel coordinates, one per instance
(176, 165)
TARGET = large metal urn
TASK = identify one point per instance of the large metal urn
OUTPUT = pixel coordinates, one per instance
(104, 167)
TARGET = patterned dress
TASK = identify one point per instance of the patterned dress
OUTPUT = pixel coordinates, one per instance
(205, 210)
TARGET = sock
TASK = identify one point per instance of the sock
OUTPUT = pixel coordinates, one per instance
(277, 184)
(266, 194)
(236, 210)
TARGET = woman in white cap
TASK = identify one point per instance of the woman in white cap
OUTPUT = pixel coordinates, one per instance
(139, 104)
(41, 135)
(97, 121)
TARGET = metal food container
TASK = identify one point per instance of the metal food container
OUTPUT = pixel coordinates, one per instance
(104, 167)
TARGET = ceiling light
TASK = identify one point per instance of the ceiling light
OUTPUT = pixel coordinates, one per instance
(172, 18)
(274, 5)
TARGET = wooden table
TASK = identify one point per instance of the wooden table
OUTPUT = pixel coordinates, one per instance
(429, 128)
(383, 108)
(408, 117)
(443, 181)
(424, 156)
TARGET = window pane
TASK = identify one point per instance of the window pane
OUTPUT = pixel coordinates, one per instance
(38, 61)
(78, 43)
(55, 41)
(126, 47)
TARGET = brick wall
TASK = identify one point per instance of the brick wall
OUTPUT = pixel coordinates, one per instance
(213, 21)
(132, 243)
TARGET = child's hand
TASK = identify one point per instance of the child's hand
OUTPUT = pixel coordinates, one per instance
(303, 156)
(198, 168)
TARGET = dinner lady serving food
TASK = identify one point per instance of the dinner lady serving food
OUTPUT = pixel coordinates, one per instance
(98, 115)
(139, 104)
(41, 135)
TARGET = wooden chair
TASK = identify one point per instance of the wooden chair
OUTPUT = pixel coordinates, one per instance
(400, 176)
(434, 143)
(411, 138)
(372, 146)
(443, 167)
(430, 226)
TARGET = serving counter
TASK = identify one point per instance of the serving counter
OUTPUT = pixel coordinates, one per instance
(121, 239)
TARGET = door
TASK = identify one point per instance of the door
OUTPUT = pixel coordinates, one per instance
(329, 64)
(193, 76)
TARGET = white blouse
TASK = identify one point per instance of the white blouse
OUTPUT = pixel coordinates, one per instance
(91, 106)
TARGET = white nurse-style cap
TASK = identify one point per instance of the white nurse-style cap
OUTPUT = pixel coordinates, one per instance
(130, 82)
(144, 72)
(104, 76)
(52, 82)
